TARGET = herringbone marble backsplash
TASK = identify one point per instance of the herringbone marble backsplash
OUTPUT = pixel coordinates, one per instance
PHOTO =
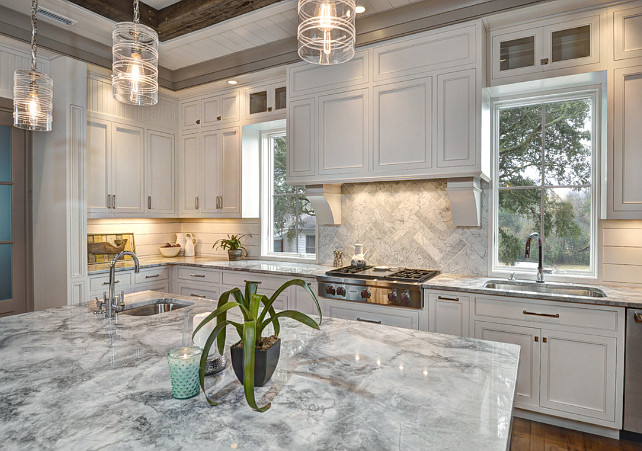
(408, 224)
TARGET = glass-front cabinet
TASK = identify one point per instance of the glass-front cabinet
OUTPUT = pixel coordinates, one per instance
(545, 45)
(265, 101)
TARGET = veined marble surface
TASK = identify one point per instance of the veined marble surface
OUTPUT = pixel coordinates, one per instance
(263, 266)
(73, 380)
(615, 296)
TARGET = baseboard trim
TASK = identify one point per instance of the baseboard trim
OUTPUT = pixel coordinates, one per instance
(569, 424)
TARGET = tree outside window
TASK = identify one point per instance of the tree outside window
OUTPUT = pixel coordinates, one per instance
(544, 183)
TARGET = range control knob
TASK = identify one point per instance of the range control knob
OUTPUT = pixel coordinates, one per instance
(392, 297)
(405, 298)
(365, 294)
(341, 291)
(329, 289)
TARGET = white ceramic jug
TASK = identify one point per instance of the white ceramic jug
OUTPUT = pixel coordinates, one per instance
(190, 243)
(181, 239)
(359, 258)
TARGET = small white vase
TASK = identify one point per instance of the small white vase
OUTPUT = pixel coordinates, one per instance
(190, 245)
(181, 239)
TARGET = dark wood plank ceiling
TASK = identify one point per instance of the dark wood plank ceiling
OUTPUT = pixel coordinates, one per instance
(178, 19)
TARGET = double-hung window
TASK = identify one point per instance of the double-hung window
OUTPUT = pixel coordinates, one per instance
(544, 182)
(288, 223)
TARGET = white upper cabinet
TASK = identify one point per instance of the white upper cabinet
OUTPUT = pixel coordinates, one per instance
(98, 170)
(301, 136)
(403, 116)
(627, 33)
(190, 114)
(546, 45)
(265, 102)
(212, 111)
(160, 178)
(343, 134)
(190, 173)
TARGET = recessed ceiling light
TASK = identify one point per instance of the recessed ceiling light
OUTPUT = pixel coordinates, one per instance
(232, 82)
(360, 9)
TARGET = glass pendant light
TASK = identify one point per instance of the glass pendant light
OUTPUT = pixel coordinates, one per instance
(326, 31)
(135, 62)
(33, 90)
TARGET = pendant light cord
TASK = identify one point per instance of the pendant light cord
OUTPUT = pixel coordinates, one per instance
(34, 33)
(136, 12)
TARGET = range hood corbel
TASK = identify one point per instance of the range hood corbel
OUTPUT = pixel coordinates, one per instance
(326, 202)
(465, 201)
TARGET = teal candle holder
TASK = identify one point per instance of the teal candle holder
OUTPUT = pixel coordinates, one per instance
(183, 370)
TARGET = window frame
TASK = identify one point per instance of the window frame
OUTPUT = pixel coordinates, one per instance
(533, 97)
(267, 202)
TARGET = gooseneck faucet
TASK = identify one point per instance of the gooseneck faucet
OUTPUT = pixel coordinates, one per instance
(112, 302)
(527, 254)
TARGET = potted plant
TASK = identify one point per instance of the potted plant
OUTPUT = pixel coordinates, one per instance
(254, 357)
(233, 245)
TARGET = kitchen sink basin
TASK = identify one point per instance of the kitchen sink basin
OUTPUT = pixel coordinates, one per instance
(155, 307)
(547, 288)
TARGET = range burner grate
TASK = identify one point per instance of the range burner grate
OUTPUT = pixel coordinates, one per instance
(414, 275)
(347, 270)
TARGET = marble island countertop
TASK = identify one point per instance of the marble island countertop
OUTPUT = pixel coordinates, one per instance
(74, 380)
(264, 266)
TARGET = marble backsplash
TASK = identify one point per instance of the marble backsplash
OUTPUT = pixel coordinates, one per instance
(407, 223)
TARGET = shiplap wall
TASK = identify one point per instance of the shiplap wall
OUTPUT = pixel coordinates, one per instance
(622, 252)
(150, 234)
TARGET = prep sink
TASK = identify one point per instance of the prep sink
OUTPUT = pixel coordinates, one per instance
(548, 288)
(155, 307)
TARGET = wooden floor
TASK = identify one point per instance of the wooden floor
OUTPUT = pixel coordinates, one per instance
(532, 436)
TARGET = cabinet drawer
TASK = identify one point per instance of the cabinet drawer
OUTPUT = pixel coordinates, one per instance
(281, 303)
(368, 314)
(238, 278)
(161, 285)
(199, 274)
(151, 275)
(101, 283)
(546, 312)
(198, 291)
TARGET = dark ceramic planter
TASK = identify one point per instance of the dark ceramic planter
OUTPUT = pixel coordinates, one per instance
(264, 363)
(235, 254)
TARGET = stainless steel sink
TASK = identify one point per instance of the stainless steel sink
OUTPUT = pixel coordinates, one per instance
(548, 288)
(155, 307)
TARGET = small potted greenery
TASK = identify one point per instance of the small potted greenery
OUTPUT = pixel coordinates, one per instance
(233, 245)
(254, 357)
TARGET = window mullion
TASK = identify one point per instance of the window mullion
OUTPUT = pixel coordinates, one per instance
(543, 175)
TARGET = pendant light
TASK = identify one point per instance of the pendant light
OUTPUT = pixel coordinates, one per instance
(135, 62)
(33, 90)
(326, 32)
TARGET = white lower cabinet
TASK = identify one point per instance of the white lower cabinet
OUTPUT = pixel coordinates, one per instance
(369, 313)
(449, 313)
(196, 290)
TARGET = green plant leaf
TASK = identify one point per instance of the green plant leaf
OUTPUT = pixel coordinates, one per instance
(221, 309)
(301, 317)
(295, 282)
(220, 327)
(272, 312)
(250, 289)
(222, 300)
(249, 338)
(255, 303)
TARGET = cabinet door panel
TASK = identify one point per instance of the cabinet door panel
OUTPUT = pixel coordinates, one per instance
(127, 168)
(210, 144)
(572, 43)
(301, 138)
(528, 373)
(578, 374)
(627, 33)
(403, 126)
(160, 173)
(211, 111)
(230, 105)
(190, 114)
(190, 168)
(98, 169)
(230, 173)
(516, 53)
(456, 115)
(449, 314)
(343, 133)
(627, 156)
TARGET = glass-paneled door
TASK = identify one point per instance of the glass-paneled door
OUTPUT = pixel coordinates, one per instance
(14, 269)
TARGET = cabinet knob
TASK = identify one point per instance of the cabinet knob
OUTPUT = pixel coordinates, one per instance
(198, 121)
(543, 61)
(149, 202)
(218, 118)
(269, 108)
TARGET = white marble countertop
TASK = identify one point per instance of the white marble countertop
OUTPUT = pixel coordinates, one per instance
(265, 266)
(615, 296)
(74, 380)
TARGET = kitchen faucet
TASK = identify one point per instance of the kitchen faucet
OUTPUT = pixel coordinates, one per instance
(112, 302)
(540, 263)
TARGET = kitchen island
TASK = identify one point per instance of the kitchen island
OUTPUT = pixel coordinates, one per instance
(71, 379)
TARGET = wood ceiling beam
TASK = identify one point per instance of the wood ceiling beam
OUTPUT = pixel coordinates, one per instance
(188, 16)
(120, 10)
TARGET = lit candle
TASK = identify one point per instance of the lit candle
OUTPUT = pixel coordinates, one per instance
(183, 371)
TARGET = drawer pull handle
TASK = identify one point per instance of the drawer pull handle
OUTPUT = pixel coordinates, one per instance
(197, 295)
(197, 275)
(152, 277)
(442, 298)
(115, 281)
(547, 315)
(253, 281)
(368, 321)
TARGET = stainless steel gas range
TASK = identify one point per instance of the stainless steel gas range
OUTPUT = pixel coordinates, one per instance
(397, 287)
